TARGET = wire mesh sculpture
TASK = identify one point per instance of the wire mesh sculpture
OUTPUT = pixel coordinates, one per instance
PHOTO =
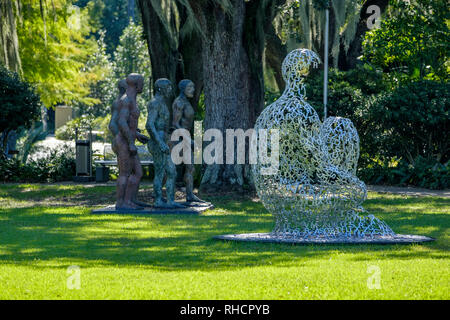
(315, 192)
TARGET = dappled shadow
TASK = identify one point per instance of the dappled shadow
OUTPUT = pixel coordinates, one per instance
(54, 195)
(180, 242)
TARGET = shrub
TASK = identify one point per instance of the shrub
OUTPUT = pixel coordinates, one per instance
(67, 131)
(348, 96)
(20, 104)
(51, 166)
(425, 173)
(414, 119)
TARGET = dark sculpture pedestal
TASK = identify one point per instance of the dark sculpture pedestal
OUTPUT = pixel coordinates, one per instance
(269, 237)
(193, 209)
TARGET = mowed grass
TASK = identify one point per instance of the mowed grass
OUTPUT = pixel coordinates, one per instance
(46, 229)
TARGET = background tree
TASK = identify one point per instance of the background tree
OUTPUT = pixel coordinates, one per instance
(54, 47)
(132, 55)
(112, 16)
(229, 45)
(20, 104)
(104, 88)
(9, 42)
(412, 41)
(301, 23)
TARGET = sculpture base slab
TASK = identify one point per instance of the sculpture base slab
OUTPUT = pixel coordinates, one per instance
(151, 210)
(194, 204)
(269, 237)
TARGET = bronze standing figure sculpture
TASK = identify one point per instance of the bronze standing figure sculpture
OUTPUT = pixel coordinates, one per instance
(158, 125)
(183, 118)
(124, 126)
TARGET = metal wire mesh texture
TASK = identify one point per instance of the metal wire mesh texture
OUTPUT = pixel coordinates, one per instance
(315, 191)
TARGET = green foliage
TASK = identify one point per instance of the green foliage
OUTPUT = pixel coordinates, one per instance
(26, 143)
(68, 131)
(132, 55)
(201, 108)
(54, 165)
(412, 41)
(348, 93)
(416, 117)
(109, 15)
(54, 46)
(301, 23)
(321, 4)
(270, 96)
(406, 124)
(424, 173)
(20, 104)
(104, 88)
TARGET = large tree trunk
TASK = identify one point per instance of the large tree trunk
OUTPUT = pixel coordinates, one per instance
(349, 59)
(9, 54)
(226, 71)
(274, 55)
(171, 56)
(162, 47)
(233, 72)
(9, 43)
(226, 60)
(276, 51)
(191, 66)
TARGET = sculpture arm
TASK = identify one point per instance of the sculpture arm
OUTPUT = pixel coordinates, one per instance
(151, 129)
(113, 126)
(142, 138)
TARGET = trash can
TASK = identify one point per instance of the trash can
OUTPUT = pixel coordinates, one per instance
(101, 174)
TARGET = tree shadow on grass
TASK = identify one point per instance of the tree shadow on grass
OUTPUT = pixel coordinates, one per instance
(63, 236)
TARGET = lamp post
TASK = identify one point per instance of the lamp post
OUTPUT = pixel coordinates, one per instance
(325, 67)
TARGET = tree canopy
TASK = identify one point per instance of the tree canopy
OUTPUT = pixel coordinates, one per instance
(412, 41)
(19, 102)
(54, 45)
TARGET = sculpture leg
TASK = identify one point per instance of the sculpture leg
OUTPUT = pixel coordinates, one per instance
(189, 183)
(171, 174)
(139, 173)
(158, 164)
(125, 169)
(133, 182)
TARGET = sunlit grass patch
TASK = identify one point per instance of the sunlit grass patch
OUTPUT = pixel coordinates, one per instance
(174, 256)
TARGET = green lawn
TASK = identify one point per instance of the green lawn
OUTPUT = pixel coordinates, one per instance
(46, 229)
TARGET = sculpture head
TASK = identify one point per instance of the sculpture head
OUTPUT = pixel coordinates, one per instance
(187, 87)
(122, 86)
(135, 80)
(163, 87)
(297, 64)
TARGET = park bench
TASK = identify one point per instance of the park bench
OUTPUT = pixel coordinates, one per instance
(110, 159)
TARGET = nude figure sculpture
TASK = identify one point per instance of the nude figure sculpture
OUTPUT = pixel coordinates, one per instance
(124, 127)
(183, 118)
(158, 125)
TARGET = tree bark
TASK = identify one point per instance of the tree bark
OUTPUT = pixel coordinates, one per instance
(349, 59)
(226, 71)
(275, 54)
(163, 49)
(226, 60)
(190, 66)
(9, 43)
(233, 71)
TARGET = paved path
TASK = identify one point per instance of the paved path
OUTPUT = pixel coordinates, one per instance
(409, 191)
